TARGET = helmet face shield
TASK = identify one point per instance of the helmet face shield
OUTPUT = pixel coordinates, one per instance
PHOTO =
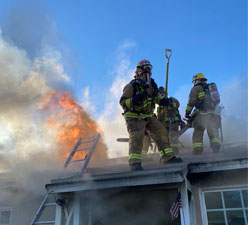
(147, 68)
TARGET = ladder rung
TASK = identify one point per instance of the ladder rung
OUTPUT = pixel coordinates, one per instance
(50, 204)
(77, 160)
(81, 149)
(45, 222)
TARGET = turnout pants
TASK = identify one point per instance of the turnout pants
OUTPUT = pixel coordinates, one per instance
(211, 122)
(147, 142)
(136, 129)
(173, 128)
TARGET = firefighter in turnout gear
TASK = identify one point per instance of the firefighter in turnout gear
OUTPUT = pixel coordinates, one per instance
(173, 119)
(207, 113)
(138, 101)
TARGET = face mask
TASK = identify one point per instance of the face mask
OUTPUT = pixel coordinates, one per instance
(146, 76)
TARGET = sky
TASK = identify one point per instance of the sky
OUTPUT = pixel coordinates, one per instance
(91, 48)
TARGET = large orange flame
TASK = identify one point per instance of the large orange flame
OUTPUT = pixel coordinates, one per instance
(70, 122)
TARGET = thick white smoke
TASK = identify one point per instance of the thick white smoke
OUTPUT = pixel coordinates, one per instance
(234, 98)
(111, 120)
(23, 83)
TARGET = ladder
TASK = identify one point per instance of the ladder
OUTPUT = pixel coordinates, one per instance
(87, 144)
(42, 207)
(84, 143)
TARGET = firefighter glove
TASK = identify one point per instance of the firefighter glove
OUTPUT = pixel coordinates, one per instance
(164, 102)
(187, 115)
(182, 124)
(138, 99)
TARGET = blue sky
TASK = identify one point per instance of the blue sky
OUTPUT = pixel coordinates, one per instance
(205, 36)
(91, 48)
(92, 37)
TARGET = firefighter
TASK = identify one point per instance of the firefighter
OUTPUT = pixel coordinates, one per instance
(206, 115)
(138, 101)
(173, 119)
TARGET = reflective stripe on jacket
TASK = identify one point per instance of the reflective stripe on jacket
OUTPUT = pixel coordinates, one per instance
(147, 108)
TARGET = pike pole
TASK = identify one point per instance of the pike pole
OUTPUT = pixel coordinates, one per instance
(168, 53)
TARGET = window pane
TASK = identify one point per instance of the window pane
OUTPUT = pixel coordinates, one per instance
(216, 218)
(245, 197)
(213, 200)
(4, 217)
(235, 217)
(232, 199)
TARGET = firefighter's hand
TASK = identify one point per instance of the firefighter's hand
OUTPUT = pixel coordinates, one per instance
(182, 124)
(138, 99)
(164, 102)
(187, 115)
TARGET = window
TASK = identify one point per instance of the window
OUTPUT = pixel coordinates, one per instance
(5, 214)
(229, 207)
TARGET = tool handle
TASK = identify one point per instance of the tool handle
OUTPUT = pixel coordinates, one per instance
(168, 53)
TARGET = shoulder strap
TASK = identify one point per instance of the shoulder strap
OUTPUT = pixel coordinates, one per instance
(135, 85)
(204, 86)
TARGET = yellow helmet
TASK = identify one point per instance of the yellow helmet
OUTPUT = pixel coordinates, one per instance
(199, 76)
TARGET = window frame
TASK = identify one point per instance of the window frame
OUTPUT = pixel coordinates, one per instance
(220, 189)
(7, 209)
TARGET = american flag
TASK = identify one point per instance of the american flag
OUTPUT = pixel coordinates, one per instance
(177, 204)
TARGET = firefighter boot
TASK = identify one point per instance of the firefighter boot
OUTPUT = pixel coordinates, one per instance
(136, 166)
(215, 147)
(171, 158)
(197, 151)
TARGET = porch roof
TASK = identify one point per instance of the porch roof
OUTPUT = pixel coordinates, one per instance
(114, 173)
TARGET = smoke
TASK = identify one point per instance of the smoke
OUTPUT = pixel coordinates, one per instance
(29, 26)
(35, 128)
(27, 144)
(21, 87)
(111, 120)
(234, 98)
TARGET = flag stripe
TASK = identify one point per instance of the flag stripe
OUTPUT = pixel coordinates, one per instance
(177, 204)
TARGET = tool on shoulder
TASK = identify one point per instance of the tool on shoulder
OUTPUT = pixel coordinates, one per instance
(168, 53)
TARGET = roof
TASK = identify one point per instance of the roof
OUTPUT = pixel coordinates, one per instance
(115, 173)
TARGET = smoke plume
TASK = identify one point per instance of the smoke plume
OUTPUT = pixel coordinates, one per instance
(33, 121)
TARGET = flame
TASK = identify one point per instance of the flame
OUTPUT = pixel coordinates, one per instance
(70, 121)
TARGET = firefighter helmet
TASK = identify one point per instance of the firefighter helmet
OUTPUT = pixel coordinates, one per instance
(199, 76)
(144, 66)
(161, 89)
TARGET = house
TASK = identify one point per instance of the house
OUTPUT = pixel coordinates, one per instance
(213, 189)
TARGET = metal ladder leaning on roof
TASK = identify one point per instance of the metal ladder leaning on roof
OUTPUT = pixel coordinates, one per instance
(45, 203)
